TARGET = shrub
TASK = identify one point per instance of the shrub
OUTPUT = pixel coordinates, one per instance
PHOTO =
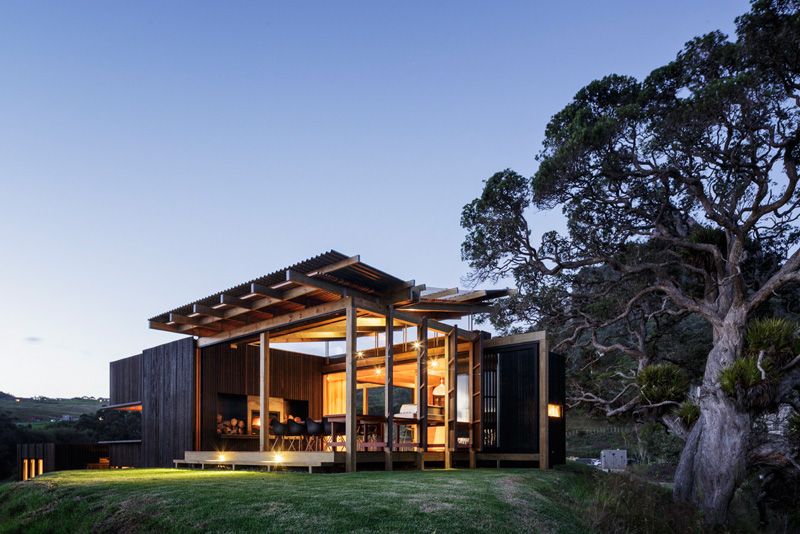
(622, 503)
(663, 382)
(688, 412)
(775, 336)
(740, 376)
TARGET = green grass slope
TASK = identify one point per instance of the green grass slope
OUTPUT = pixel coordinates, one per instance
(44, 409)
(569, 499)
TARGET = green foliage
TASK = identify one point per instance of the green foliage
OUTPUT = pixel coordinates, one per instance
(688, 412)
(741, 376)
(662, 382)
(624, 504)
(652, 444)
(773, 335)
(111, 425)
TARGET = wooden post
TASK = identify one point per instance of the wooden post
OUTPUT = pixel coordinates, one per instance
(450, 400)
(422, 377)
(544, 397)
(197, 403)
(388, 388)
(473, 394)
(263, 404)
(350, 386)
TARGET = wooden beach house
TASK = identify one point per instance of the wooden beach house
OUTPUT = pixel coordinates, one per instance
(332, 363)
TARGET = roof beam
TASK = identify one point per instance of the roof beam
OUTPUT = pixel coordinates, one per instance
(470, 295)
(438, 307)
(200, 309)
(260, 290)
(230, 300)
(440, 294)
(352, 260)
(330, 287)
(277, 321)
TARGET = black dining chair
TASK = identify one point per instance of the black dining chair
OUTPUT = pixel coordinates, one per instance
(315, 430)
(296, 432)
(278, 429)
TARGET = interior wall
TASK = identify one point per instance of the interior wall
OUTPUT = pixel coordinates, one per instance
(234, 369)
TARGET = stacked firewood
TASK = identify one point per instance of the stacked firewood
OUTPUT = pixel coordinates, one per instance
(230, 426)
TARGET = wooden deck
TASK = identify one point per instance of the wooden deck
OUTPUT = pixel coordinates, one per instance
(311, 460)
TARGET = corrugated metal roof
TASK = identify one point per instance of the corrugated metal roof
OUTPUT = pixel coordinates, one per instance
(358, 275)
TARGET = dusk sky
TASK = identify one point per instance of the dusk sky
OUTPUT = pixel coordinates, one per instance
(152, 154)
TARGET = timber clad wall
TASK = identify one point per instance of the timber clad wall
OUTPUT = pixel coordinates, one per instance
(125, 454)
(126, 380)
(518, 399)
(167, 402)
(557, 391)
(509, 393)
(234, 369)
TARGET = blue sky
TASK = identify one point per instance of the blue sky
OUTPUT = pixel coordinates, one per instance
(152, 153)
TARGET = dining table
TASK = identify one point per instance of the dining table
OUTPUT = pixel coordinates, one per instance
(372, 428)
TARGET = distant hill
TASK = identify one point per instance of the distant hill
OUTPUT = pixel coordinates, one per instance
(45, 409)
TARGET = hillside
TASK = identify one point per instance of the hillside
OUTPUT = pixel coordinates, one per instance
(569, 499)
(44, 409)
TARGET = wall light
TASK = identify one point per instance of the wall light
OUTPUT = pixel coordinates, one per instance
(554, 410)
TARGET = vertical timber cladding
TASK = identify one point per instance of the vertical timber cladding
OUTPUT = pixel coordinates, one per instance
(125, 384)
(510, 408)
(557, 393)
(234, 369)
(168, 396)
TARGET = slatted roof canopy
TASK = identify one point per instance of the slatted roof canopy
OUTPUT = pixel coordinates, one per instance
(321, 279)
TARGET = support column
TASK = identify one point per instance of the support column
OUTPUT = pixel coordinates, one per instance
(350, 386)
(422, 377)
(263, 406)
(544, 397)
(388, 388)
(450, 400)
(474, 414)
(197, 404)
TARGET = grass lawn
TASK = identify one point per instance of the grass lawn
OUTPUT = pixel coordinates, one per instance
(168, 500)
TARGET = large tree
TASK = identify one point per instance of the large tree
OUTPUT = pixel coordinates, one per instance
(669, 187)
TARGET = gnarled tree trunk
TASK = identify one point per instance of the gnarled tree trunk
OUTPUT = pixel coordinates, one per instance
(714, 459)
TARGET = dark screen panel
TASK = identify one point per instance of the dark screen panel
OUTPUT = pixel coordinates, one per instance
(518, 430)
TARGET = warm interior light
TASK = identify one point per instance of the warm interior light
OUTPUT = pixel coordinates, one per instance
(278, 458)
(221, 457)
(360, 354)
(256, 423)
(417, 345)
(440, 390)
(554, 410)
(378, 371)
